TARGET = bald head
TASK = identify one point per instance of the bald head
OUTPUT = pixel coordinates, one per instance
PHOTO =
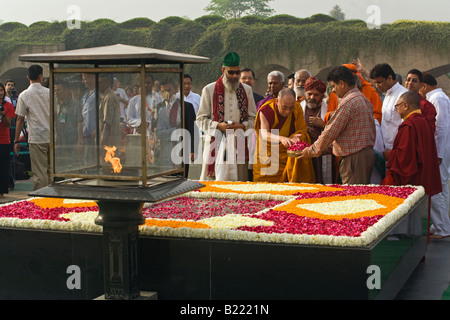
(286, 92)
(407, 103)
(286, 102)
(411, 98)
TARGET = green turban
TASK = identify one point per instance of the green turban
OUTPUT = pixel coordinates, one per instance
(231, 60)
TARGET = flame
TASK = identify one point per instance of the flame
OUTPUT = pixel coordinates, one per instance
(109, 157)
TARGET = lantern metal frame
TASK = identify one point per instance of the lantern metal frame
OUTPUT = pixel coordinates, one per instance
(115, 59)
(120, 201)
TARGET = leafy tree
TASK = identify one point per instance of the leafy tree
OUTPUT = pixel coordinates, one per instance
(260, 8)
(337, 13)
(239, 8)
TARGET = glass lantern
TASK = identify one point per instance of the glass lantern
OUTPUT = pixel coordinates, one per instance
(100, 138)
(100, 135)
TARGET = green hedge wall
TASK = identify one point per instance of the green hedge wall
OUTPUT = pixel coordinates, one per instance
(253, 37)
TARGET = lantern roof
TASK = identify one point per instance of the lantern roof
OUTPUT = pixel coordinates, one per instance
(115, 54)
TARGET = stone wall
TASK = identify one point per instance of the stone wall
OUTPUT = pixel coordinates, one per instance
(404, 60)
(12, 68)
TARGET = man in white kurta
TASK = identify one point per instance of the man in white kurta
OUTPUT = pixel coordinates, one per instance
(190, 96)
(225, 104)
(439, 209)
(134, 106)
(123, 99)
(385, 80)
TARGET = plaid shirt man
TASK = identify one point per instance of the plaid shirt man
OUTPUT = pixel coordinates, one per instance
(350, 129)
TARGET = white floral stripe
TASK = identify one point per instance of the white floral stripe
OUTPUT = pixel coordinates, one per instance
(234, 221)
(261, 188)
(342, 207)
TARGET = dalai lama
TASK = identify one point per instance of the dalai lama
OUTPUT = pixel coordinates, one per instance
(279, 124)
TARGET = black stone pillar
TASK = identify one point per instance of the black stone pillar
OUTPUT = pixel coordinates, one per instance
(120, 221)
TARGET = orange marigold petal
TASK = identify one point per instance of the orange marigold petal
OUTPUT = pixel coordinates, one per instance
(57, 203)
(175, 224)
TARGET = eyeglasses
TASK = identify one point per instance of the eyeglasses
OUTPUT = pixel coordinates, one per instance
(398, 105)
(232, 72)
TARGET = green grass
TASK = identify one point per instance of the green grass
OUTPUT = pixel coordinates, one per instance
(446, 294)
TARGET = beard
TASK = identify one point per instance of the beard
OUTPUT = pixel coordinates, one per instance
(299, 91)
(312, 104)
(229, 85)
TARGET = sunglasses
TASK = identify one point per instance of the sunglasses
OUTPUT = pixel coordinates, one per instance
(232, 72)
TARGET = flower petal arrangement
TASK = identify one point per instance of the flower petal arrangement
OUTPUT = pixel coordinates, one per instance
(294, 213)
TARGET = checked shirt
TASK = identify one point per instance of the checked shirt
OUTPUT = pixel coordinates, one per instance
(351, 127)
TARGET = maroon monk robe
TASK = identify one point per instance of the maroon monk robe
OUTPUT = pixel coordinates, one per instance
(413, 159)
(429, 111)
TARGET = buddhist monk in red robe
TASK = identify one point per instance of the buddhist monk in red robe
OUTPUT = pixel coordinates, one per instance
(413, 159)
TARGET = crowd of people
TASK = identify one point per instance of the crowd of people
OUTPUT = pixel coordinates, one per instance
(360, 126)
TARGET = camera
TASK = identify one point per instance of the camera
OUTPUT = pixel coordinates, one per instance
(14, 94)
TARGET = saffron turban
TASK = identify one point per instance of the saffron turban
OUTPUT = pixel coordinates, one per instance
(314, 83)
(351, 66)
(231, 59)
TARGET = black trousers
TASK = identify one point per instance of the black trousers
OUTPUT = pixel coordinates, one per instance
(4, 167)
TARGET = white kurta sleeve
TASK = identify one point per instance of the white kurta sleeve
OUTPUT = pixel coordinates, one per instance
(250, 123)
(442, 124)
(134, 113)
(205, 111)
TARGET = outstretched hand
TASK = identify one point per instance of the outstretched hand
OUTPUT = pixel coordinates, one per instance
(306, 154)
(287, 142)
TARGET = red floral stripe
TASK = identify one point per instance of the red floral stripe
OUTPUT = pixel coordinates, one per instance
(285, 222)
(185, 208)
(29, 210)
(399, 192)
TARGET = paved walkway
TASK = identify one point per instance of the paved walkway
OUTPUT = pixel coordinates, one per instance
(428, 282)
(432, 276)
(21, 190)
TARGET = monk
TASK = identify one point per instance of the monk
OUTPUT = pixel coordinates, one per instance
(272, 164)
(413, 159)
